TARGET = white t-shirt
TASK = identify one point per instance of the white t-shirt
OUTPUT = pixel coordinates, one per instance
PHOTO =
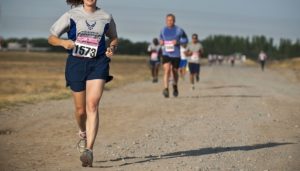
(195, 48)
(87, 30)
(182, 53)
(154, 49)
(262, 56)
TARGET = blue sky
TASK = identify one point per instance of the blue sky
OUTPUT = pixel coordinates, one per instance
(141, 20)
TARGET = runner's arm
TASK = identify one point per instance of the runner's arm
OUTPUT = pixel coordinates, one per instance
(55, 41)
(113, 37)
(150, 49)
(60, 27)
(188, 52)
(114, 44)
(184, 36)
(201, 51)
(112, 34)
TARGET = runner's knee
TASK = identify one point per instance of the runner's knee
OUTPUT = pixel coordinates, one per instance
(92, 107)
(167, 68)
(80, 111)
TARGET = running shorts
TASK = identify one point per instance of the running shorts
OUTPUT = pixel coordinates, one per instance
(79, 70)
(174, 61)
(153, 63)
(183, 63)
(194, 68)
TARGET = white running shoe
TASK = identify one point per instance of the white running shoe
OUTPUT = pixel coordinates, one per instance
(81, 145)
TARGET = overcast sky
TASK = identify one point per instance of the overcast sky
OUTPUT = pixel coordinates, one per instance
(141, 20)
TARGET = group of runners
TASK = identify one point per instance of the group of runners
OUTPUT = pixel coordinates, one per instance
(176, 54)
(87, 65)
(214, 59)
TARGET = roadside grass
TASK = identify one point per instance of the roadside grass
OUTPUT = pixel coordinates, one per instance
(33, 77)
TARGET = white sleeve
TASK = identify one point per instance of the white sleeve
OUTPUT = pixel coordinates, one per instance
(61, 26)
(150, 48)
(201, 47)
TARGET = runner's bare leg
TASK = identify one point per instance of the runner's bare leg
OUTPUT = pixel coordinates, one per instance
(80, 110)
(94, 90)
(167, 72)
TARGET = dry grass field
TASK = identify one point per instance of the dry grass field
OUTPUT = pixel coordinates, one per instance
(291, 64)
(289, 68)
(33, 77)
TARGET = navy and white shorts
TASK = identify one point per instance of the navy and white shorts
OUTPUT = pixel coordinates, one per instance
(154, 63)
(79, 70)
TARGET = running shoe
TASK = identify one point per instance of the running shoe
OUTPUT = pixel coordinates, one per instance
(155, 80)
(87, 158)
(175, 91)
(166, 93)
(81, 145)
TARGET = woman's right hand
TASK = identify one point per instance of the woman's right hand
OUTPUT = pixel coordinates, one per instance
(68, 44)
(56, 41)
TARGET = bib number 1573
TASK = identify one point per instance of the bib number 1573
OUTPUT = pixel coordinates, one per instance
(84, 50)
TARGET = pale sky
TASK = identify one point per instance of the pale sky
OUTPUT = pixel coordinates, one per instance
(141, 20)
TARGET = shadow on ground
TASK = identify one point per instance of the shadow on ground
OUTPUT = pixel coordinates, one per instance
(188, 153)
(221, 96)
(229, 86)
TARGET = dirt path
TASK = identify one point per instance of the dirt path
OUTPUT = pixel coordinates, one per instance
(236, 119)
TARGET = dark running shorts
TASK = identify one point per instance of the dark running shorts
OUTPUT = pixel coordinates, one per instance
(194, 68)
(79, 70)
(153, 63)
(174, 61)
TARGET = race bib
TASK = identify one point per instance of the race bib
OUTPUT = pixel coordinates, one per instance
(169, 46)
(154, 56)
(86, 47)
(195, 56)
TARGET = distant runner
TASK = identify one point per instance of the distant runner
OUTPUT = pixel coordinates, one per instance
(183, 58)
(262, 57)
(194, 51)
(154, 50)
(232, 60)
(210, 59)
(170, 40)
(220, 59)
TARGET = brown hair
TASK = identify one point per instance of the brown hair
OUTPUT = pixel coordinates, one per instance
(195, 35)
(171, 15)
(74, 2)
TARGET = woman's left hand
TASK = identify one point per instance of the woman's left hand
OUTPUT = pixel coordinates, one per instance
(109, 52)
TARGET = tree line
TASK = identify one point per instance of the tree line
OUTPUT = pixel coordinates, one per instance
(217, 44)
(221, 44)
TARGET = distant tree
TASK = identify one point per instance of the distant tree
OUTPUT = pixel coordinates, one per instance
(226, 45)
(39, 42)
(127, 47)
